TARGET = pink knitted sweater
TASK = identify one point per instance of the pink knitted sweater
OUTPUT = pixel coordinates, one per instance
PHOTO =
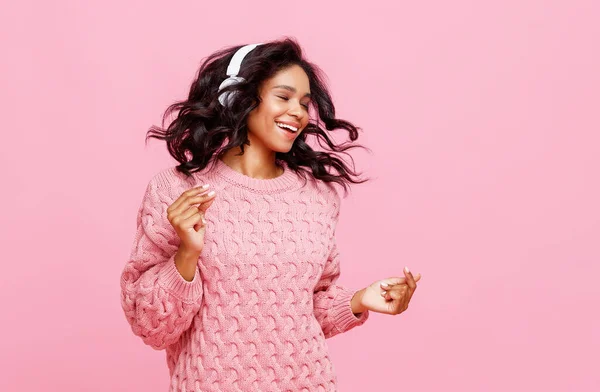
(265, 294)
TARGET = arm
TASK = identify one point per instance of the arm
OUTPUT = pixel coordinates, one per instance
(158, 302)
(332, 302)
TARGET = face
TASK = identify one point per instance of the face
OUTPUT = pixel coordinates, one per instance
(283, 113)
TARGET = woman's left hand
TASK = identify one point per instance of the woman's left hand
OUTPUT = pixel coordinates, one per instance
(389, 296)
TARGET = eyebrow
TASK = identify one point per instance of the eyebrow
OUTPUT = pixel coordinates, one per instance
(289, 88)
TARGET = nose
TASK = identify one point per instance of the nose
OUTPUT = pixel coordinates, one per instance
(296, 110)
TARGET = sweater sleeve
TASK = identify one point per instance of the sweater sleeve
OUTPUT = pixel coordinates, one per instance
(332, 301)
(158, 302)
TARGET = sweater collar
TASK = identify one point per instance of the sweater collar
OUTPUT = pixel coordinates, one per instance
(286, 181)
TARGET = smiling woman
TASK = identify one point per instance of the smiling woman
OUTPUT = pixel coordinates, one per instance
(284, 107)
(234, 266)
(275, 85)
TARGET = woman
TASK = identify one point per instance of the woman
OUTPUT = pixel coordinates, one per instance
(234, 267)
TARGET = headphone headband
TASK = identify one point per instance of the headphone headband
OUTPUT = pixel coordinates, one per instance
(236, 61)
(233, 69)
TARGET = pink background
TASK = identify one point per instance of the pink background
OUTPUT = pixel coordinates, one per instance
(484, 124)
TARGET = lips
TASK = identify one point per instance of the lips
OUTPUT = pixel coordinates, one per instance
(292, 126)
(288, 134)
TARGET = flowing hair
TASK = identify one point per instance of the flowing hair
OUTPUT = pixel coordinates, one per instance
(203, 129)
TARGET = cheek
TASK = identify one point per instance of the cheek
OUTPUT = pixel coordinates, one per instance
(266, 112)
(251, 120)
(258, 114)
(305, 121)
(275, 106)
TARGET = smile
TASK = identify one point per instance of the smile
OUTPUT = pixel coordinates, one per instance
(286, 126)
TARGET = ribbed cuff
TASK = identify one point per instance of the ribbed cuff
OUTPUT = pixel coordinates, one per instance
(341, 312)
(171, 280)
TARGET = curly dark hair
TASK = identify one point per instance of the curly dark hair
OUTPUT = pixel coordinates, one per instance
(202, 125)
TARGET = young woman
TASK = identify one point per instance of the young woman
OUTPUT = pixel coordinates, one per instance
(234, 266)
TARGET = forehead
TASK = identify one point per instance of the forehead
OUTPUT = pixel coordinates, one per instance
(293, 76)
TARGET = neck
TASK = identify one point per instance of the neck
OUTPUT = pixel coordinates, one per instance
(255, 164)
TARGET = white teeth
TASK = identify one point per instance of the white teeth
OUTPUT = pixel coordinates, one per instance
(282, 125)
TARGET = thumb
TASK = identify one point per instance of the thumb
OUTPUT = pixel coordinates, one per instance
(399, 280)
(204, 206)
(393, 281)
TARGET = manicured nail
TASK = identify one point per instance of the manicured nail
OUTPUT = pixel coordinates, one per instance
(406, 269)
(383, 293)
(384, 284)
(205, 186)
(203, 221)
(211, 193)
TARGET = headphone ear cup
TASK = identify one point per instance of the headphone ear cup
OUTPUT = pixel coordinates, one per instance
(226, 98)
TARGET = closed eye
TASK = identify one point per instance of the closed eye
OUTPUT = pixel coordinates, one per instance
(304, 105)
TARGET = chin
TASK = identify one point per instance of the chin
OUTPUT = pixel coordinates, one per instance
(282, 149)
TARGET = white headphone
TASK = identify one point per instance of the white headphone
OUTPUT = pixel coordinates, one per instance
(232, 70)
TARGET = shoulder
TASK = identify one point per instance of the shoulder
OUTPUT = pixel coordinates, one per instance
(325, 194)
(169, 183)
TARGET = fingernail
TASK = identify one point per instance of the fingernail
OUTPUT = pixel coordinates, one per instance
(406, 269)
(384, 284)
(205, 186)
(383, 293)
(203, 221)
(211, 193)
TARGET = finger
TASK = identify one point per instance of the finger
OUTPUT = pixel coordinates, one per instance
(395, 295)
(189, 193)
(398, 294)
(390, 282)
(402, 303)
(193, 221)
(198, 222)
(411, 291)
(206, 204)
(190, 212)
(396, 284)
(410, 280)
(397, 306)
(205, 201)
(179, 221)
(384, 294)
(193, 200)
(393, 287)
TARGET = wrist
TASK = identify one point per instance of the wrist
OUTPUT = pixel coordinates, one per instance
(356, 302)
(186, 263)
(185, 255)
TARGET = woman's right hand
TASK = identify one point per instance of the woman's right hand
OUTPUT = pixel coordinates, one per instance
(186, 215)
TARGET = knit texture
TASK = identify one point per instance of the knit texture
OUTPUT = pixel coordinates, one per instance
(265, 295)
